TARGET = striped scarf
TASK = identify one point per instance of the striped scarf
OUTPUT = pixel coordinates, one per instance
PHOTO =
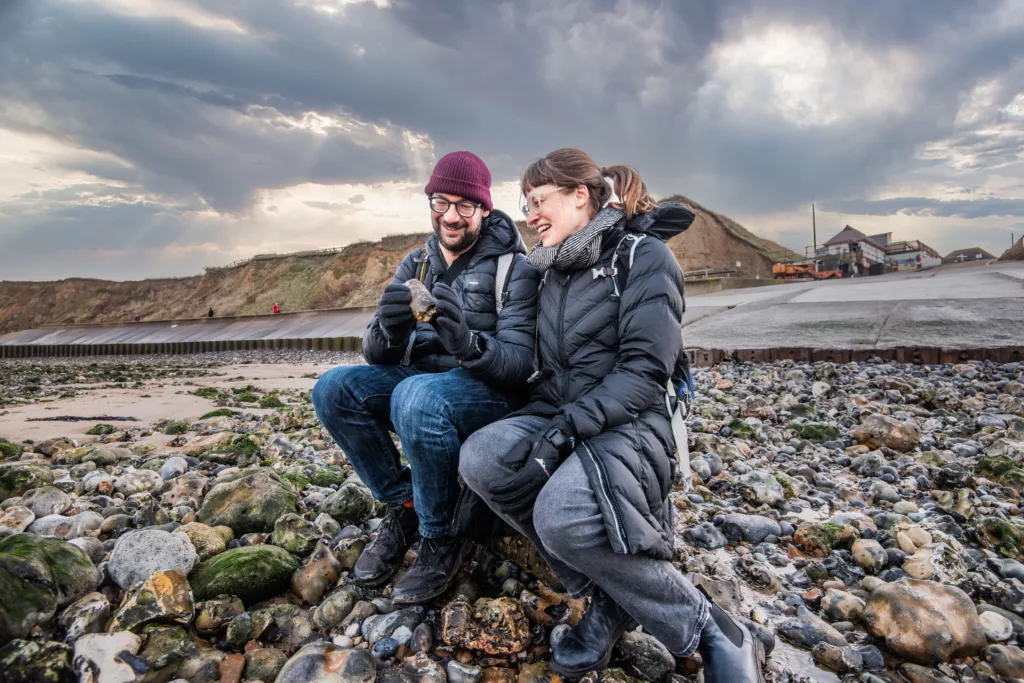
(580, 249)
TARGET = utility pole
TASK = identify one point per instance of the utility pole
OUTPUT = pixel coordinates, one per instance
(814, 229)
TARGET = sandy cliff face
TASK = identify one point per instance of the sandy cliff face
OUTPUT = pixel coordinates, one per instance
(354, 276)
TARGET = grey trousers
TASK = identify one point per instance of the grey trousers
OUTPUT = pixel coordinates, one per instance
(567, 528)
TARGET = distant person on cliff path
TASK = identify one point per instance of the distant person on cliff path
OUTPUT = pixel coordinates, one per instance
(277, 309)
(435, 383)
(209, 313)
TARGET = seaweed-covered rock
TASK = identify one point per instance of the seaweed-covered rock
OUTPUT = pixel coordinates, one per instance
(252, 573)
(1007, 538)
(818, 432)
(250, 501)
(821, 538)
(38, 575)
(25, 661)
(295, 534)
(19, 478)
(350, 504)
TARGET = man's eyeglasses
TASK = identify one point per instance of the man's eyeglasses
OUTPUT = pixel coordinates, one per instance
(465, 208)
(535, 204)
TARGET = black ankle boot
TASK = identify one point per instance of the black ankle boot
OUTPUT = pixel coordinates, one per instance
(383, 556)
(730, 651)
(588, 645)
(432, 572)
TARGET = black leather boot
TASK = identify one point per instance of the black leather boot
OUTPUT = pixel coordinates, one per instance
(588, 645)
(383, 556)
(730, 652)
(433, 571)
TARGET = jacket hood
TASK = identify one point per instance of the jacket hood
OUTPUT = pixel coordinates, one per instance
(665, 221)
(498, 235)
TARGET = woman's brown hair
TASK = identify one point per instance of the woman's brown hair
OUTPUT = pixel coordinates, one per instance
(568, 168)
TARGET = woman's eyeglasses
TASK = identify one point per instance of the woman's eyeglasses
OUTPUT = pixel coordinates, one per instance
(535, 204)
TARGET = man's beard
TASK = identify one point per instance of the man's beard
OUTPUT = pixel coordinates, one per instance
(461, 243)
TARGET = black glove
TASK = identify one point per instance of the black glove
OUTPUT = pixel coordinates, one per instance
(394, 312)
(530, 464)
(451, 325)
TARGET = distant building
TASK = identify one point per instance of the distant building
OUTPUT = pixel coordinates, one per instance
(833, 249)
(911, 255)
(969, 254)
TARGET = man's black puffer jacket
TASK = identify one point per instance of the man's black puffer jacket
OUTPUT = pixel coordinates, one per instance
(605, 362)
(507, 341)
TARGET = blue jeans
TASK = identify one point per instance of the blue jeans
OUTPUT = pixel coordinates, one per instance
(432, 414)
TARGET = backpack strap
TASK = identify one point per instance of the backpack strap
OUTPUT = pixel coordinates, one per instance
(423, 266)
(501, 278)
(619, 273)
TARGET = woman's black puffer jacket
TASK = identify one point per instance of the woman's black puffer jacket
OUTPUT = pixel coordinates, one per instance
(508, 339)
(605, 361)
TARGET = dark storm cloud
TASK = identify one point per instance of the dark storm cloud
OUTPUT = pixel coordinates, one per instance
(198, 117)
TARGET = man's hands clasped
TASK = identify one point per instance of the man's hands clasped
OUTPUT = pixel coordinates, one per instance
(530, 464)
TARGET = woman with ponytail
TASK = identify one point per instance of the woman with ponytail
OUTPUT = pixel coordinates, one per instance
(585, 470)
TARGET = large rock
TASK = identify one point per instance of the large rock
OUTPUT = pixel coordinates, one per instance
(14, 520)
(98, 657)
(818, 539)
(497, 627)
(207, 540)
(88, 615)
(881, 430)
(38, 575)
(19, 478)
(749, 528)
(138, 481)
(925, 621)
(869, 555)
(760, 488)
(295, 534)
(164, 597)
(249, 501)
(323, 662)
(46, 500)
(68, 528)
(643, 656)
(140, 554)
(317, 575)
(335, 607)
(253, 573)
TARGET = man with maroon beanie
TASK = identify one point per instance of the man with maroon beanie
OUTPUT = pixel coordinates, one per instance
(435, 383)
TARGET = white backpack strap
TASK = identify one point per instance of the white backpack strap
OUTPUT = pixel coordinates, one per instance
(501, 279)
(679, 435)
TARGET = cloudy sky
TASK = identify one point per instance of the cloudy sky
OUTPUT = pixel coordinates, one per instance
(143, 138)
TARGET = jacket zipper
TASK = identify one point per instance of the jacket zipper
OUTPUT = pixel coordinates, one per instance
(561, 339)
(602, 477)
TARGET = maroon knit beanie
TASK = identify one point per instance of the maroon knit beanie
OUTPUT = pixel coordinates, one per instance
(463, 174)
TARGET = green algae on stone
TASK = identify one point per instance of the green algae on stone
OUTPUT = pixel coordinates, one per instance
(295, 534)
(328, 476)
(253, 573)
(166, 647)
(73, 572)
(1002, 470)
(101, 429)
(9, 450)
(1007, 537)
(219, 412)
(818, 432)
(29, 595)
(741, 429)
(19, 478)
(103, 457)
(271, 402)
(175, 427)
(249, 501)
(26, 661)
(206, 392)
(821, 538)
